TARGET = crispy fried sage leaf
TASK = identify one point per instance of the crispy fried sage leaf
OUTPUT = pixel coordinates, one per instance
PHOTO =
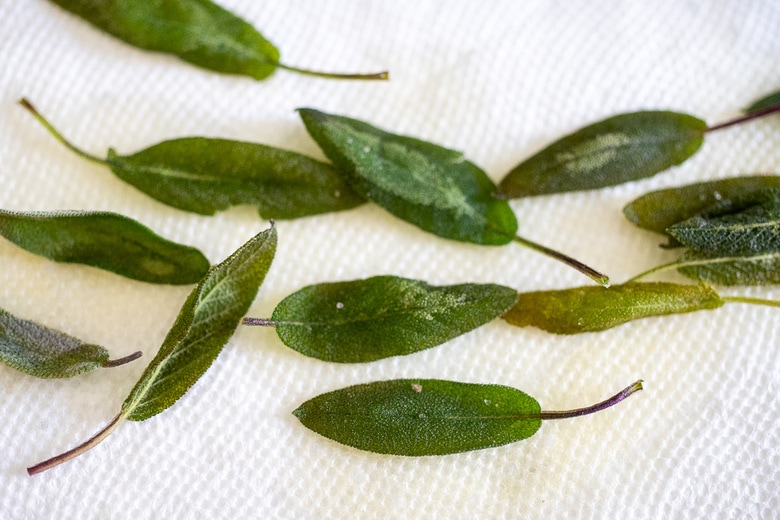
(418, 417)
(197, 31)
(205, 324)
(43, 352)
(659, 210)
(758, 269)
(590, 309)
(383, 316)
(432, 187)
(105, 240)
(752, 231)
(622, 148)
(765, 102)
(205, 175)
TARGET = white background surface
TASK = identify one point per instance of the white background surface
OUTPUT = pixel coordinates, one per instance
(497, 80)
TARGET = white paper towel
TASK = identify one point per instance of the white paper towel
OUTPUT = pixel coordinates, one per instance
(497, 80)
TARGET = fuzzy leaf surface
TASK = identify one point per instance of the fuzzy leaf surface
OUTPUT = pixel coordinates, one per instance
(760, 269)
(105, 240)
(207, 175)
(427, 185)
(383, 316)
(659, 210)
(422, 416)
(43, 352)
(751, 231)
(205, 324)
(620, 149)
(591, 309)
(197, 31)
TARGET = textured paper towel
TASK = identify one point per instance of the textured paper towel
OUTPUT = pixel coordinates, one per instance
(497, 80)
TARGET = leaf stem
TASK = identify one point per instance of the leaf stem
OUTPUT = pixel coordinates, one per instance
(53, 131)
(743, 119)
(384, 75)
(656, 269)
(588, 271)
(259, 322)
(78, 450)
(603, 405)
(751, 301)
(111, 363)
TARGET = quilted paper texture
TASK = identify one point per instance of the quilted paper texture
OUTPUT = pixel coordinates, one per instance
(498, 81)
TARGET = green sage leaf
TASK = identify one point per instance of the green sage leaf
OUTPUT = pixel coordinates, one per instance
(758, 269)
(591, 309)
(659, 210)
(197, 31)
(205, 323)
(383, 316)
(205, 175)
(47, 353)
(418, 417)
(105, 240)
(752, 231)
(620, 149)
(427, 185)
(764, 103)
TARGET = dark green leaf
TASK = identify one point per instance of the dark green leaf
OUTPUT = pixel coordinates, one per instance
(760, 269)
(43, 352)
(432, 417)
(198, 31)
(105, 240)
(366, 320)
(765, 102)
(205, 175)
(205, 324)
(208, 175)
(429, 186)
(590, 309)
(622, 148)
(661, 209)
(751, 231)
(422, 416)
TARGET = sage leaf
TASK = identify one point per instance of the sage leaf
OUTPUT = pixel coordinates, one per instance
(197, 31)
(758, 269)
(383, 316)
(105, 240)
(659, 210)
(432, 187)
(206, 175)
(47, 353)
(768, 101)
(755, 230)
(591, 309)
(417, 417)
(619, 149)
(205, 323)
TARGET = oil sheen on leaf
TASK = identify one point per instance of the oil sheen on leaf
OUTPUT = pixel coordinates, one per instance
(204, 325)
(751, 231)
(659, 210)
(590, 309)
(47, 353)
(205, 175)
(105, 240)
(197, 31)
(620, 149)
(366, 320)
(432, 187)
(422, 416)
